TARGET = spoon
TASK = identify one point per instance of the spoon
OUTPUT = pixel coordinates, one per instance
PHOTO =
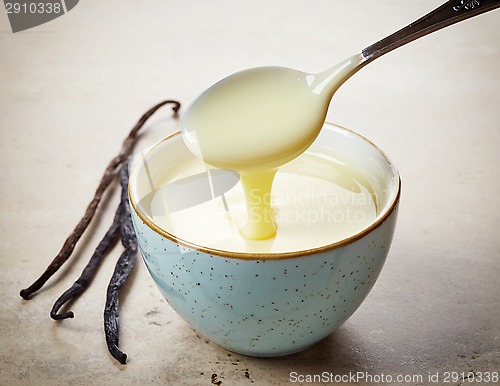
(261, 118)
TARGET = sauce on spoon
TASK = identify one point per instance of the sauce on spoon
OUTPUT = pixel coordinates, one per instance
(257, 120)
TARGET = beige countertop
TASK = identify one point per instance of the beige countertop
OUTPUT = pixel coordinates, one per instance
(71, 89)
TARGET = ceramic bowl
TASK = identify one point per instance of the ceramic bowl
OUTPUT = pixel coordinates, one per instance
(261, 304)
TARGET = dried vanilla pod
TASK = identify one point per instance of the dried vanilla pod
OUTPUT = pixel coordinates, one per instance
(111, 170)
(121, 227)
(105, 245)
(122, 270)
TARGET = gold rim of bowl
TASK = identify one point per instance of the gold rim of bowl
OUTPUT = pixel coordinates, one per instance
(277, 255)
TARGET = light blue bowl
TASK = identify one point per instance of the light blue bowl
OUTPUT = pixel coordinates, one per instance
(262, 304)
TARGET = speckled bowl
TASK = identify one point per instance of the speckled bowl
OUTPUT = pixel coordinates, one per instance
(261, 304)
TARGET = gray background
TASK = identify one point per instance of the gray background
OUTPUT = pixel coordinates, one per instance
(72, 88)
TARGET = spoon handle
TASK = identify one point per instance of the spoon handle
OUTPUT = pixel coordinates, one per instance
(447, 14)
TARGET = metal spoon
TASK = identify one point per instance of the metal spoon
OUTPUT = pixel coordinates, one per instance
(264, 117)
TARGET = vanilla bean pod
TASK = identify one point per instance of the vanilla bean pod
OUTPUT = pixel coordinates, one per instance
(70, 243)
(122, 270)
(105, 245)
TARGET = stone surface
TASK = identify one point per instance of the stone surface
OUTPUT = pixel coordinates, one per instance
(72, 88)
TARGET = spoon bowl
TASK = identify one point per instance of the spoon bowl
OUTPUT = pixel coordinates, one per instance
(260, 115)
(243, 118)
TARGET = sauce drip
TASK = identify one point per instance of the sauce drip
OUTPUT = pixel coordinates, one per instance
(257, 120)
